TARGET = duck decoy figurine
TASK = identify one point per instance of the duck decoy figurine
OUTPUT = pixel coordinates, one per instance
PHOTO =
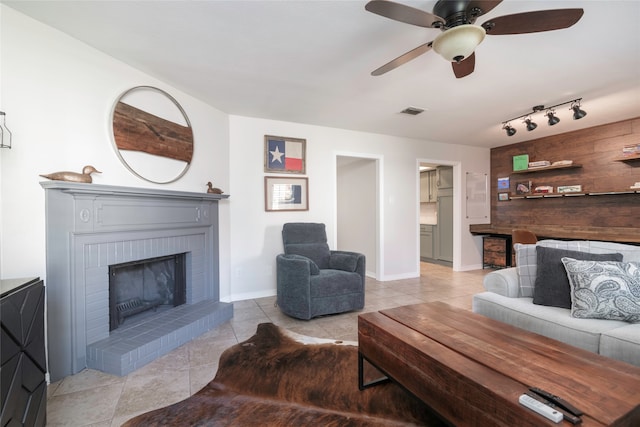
(213, 189)
(85, 176)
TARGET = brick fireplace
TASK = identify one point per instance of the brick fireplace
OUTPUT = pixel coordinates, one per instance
(93, 227)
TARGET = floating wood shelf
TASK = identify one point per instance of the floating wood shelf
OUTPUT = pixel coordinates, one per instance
(628, 158)
(578, 194)
(547, 168)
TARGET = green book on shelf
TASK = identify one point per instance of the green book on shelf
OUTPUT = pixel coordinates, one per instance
(521, 162)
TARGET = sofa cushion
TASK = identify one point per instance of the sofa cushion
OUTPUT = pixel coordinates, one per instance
(552, 285)
(552, 322)
(526, 260)
(604, 289)
(344, 261)
(622, 344)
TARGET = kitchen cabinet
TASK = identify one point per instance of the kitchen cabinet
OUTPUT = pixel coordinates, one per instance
(428, 186)
(444, 231)
(444, 177)
(426, 241)
(424, 187)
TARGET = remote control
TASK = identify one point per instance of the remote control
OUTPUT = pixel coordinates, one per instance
(540, 408)
(557, 400)
(568, 416)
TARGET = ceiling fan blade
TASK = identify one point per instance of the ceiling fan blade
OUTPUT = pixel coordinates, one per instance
(402, 59)
(533, 22)
(403, 13)
(484, 5)
(464, 68)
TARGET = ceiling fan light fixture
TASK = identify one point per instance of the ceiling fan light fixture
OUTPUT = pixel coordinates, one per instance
(458, 43)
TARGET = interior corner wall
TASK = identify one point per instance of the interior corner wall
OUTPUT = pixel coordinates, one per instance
(257, 234)
(58, 94)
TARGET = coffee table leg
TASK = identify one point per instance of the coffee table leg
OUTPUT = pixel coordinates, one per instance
(361, 384)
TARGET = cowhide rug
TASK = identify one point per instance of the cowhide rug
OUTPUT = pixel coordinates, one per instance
(278, 378)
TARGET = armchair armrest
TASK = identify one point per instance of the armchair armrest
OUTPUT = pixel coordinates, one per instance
(294, 285)
(503, 282)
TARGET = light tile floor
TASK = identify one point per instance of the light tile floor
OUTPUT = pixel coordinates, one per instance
(93, 398)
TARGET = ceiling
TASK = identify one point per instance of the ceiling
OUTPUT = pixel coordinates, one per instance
(310, 62)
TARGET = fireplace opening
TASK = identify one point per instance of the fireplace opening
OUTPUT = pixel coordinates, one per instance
(139, 288)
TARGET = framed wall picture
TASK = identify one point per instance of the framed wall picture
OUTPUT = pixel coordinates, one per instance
(284, 155)
(503, 197)
(286, 194)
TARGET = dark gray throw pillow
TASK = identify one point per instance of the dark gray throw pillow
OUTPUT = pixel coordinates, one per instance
(552, 284)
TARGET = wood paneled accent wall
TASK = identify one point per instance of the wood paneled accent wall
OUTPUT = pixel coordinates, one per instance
(596, 149)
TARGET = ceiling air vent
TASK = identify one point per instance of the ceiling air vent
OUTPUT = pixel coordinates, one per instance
(412, 111)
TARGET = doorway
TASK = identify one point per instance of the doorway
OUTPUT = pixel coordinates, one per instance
(357, 208)
(436, 213)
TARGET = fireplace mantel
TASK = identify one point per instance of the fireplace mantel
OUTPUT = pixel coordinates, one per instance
(88, 228)
(99, 189)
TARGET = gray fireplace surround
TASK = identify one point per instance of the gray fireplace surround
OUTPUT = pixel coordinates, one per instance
(90, 227)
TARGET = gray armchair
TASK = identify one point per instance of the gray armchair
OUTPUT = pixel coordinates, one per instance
(314, 280)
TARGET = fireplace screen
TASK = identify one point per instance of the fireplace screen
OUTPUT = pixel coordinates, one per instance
(144, 286)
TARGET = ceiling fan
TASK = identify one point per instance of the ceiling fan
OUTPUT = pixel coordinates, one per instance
(459, 37)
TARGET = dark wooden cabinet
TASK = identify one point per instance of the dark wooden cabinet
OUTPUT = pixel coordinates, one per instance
(496, 251)
(22, 353)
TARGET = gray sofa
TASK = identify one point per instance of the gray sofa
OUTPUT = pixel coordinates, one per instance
(510, 293)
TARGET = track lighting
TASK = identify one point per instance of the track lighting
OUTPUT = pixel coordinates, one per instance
(553, 119)
(530, 125)
(551, 116)
(577, 112)
(510, 130)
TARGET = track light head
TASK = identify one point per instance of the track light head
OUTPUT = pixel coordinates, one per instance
(530, 125)
(553, 119)
(577, 112)
(510, 130)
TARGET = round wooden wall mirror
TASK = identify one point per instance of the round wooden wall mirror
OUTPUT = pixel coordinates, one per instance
(152, 134)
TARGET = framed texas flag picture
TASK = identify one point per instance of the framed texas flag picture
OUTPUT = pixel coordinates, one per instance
(284, 155)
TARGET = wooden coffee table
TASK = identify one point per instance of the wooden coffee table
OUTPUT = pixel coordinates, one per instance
(472, 369)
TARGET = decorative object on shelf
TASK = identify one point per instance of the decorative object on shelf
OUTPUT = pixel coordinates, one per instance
(543, 189)
(286, 194)
(569, 188)
(539, 164)
(523, 187)
(562, 163)
(551, 114)
(521, 162)
(635, 186)
(284, 155)
(85, 176)
(5, 133)
(503, 197)
(631, 150)
(152, 135)
(503, 183)
(213, 190)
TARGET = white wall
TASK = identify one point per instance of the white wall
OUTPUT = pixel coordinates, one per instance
(357, 208)
(256, 238)
(58, 94)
